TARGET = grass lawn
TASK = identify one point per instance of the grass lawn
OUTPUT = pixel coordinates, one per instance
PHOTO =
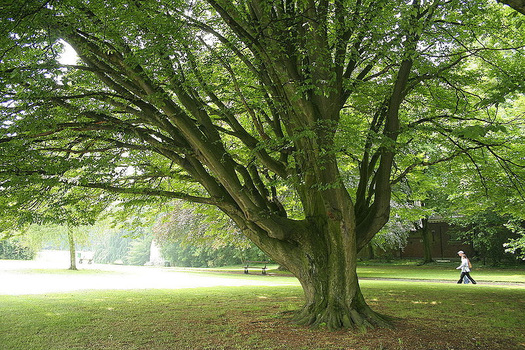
(439, 271)
(409, 269)
(425, 315)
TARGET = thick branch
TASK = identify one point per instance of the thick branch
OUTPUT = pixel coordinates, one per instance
(518, 5)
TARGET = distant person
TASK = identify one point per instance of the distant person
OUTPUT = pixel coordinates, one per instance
(464, 267)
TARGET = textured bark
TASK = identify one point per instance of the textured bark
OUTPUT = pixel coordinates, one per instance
(427, 241)
(325, 264)
(518, 5)
(72, 250)
(322, 253)
(333, 296)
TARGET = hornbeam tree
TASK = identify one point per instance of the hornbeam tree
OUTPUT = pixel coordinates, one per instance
(296, 119)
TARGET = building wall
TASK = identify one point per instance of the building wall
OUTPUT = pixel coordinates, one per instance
(441, 243)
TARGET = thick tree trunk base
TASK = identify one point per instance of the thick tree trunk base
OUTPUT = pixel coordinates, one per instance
(336, 318)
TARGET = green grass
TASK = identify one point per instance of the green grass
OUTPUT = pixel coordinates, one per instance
(65, 271)
(445, 271)
(406, 269)
(425, 315)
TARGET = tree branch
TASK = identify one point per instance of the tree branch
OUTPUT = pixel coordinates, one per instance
(150, 192)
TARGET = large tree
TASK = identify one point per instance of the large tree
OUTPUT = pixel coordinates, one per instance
(294, 118)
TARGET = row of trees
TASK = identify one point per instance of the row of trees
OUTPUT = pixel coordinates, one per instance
(302, 121)
(193, 237)
(187, 237)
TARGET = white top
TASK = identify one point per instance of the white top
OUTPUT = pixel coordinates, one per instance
(464, 265)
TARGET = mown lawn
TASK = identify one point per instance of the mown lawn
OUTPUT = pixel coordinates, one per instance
(425, 316)
(409, 269)
(440, 271)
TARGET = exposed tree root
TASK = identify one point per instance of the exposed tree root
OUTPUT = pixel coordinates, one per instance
(338, 318)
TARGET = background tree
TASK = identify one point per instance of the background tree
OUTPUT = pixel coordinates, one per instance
(112, 246)
(393, 236)
(297, 119)
(42, 214)
(13, 249)
(139, 250)
(37, 237)
(517, 245)
(484, 209)
(193, 235)
(487, 232)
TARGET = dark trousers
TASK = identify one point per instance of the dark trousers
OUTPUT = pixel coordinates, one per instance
(463, 274)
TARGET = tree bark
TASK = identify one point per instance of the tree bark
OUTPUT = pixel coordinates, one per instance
(321, 251)
(371, 254)
(325, 263)
(518, 5)
(72, 250)
(427, 241)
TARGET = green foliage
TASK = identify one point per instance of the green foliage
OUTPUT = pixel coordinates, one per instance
(139, 251)
(199, 226)
(487, 232)
(112, 247)
(13, 249)
(394, 234)
(53, 236)
(480, 191)
(79, 126)
(516, 245)
(200, 236)
(207, 256)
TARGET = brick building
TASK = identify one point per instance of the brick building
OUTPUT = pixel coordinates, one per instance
(442, 245)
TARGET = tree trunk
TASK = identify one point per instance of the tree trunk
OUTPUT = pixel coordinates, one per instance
(335, 301)
(324, 260)
(427, 241)
(72, 250)
(371, 254)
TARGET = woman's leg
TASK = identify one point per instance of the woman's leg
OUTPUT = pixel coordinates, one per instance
(470, 278)
(461, 277)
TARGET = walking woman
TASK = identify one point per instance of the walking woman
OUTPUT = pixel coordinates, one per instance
(464, 267)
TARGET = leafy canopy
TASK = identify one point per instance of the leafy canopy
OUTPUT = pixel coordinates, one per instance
(246, 105)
